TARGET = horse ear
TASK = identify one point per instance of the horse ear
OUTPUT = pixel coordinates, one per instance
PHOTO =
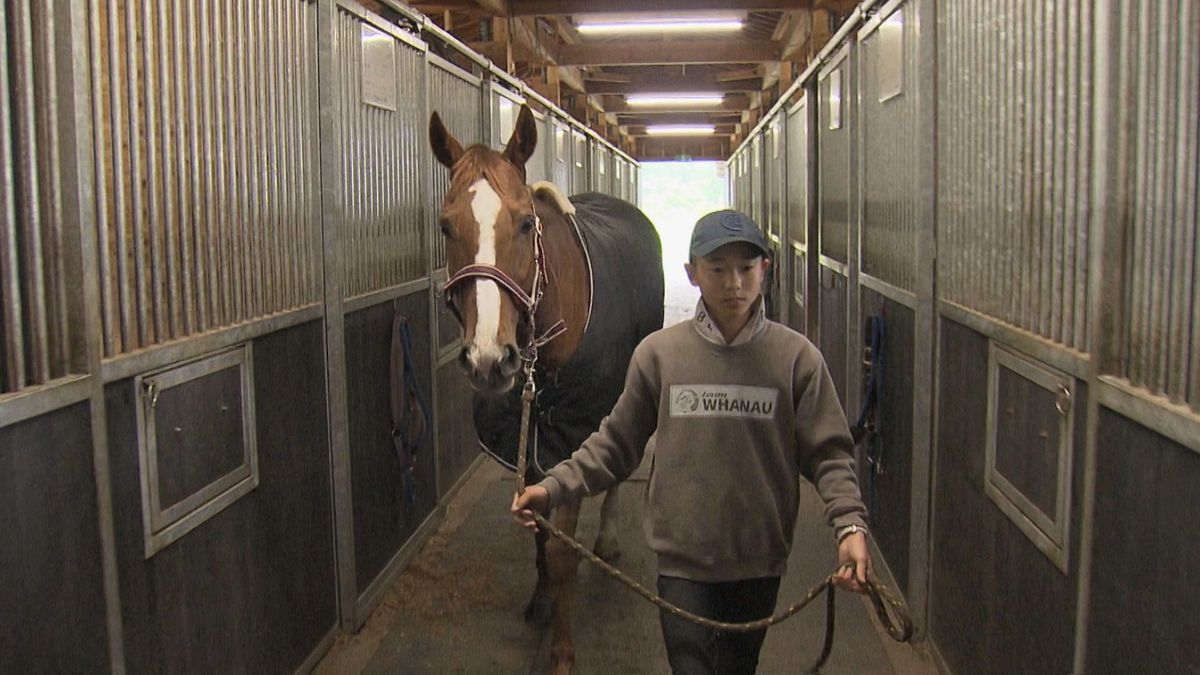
(523, 141)
(445, 147)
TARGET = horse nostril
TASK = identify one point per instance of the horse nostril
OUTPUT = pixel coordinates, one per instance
(512, 359)
(463, 361)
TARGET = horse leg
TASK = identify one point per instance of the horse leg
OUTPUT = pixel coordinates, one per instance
(606, 542)
(540, 607)
(562, 563)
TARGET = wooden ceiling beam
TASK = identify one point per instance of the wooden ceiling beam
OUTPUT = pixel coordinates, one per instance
(660, 52)
(446, 5)
(553, 7)
(494, 7)
(615, 78)
(743, 74)
(652, 85)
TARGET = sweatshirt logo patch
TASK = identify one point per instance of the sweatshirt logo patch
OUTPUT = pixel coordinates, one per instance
(723, 400)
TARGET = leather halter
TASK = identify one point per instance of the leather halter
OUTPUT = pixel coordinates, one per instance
(527, 302)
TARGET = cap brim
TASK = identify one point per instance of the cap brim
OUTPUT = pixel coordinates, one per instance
(710, 246)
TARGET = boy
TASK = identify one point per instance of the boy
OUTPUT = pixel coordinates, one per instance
(740, 407)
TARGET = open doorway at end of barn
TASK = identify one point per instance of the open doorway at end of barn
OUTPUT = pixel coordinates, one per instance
(674, 195)
(457, 607)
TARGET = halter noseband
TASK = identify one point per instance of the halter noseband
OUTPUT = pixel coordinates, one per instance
(527, 302)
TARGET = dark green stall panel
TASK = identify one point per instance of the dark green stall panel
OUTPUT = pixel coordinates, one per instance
(1147, 543)
(998, 606)
(52, 595)
(889, 492)
(831, 331)
(457, 444)
(251, 589)
(383, 521)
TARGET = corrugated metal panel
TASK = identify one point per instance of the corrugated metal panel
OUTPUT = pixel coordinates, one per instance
(754, 185)
(1013, 162)
(601, 175)
(891, 149)
(1159, 74)
(205, 170)
(797, 184)
(34, 286)
(580, 155)
(535, 168)
(774, 155)
(455, 97)
(735, 177)
(745, 205)
(381, 204)
(835, 110)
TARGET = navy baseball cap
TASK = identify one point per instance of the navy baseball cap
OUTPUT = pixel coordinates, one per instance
(718, 228)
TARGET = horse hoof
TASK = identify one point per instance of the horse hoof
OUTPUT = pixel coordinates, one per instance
(539, 611)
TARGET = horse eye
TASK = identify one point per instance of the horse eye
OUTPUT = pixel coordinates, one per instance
(445, 226)
(527, 224)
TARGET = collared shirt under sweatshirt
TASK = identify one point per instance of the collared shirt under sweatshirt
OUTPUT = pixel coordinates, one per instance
(735, 426)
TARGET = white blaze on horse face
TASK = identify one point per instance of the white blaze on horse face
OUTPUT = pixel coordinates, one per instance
(486, 207)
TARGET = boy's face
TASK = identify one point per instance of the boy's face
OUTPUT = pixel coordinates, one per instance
(730, 279)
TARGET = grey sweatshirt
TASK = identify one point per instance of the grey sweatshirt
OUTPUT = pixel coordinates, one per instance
(736, 426)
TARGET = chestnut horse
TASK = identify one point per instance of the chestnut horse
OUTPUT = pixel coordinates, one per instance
(578, 282)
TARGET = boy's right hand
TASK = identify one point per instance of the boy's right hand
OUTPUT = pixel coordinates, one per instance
(523, 506)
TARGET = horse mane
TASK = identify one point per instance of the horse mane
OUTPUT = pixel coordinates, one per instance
(479, 160)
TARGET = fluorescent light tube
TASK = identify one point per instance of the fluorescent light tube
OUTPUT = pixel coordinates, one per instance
(661, 25)
(665, 100)
(681, 130)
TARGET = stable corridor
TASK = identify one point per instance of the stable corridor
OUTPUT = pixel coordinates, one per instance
(457, 608)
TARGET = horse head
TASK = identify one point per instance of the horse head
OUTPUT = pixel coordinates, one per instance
(491, 229)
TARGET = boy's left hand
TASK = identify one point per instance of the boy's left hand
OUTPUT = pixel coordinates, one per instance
(853, 550)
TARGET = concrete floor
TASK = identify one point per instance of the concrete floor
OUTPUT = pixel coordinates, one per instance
(457, 607)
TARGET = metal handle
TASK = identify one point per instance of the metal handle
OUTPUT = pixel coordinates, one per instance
(151, 392)
(1062, 403)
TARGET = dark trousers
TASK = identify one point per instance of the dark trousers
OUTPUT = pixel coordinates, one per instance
(696, 650)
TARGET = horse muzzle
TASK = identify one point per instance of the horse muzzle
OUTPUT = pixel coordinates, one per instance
(490, 373)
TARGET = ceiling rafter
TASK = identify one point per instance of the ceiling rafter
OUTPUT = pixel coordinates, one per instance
(645, 52)
(660, 85)
(589, 76)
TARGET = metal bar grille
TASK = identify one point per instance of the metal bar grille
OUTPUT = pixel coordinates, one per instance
(1014, 163)
(33, 283)
(382, 201)
(797, 188)
(892, 147)
(774, 155)
(561, 158)
(456, 101)
(204, 216)
(1158, 345)
(834, 158)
